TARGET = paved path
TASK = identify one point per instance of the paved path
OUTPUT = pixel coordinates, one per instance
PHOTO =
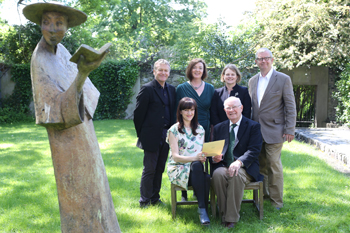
(335, 142)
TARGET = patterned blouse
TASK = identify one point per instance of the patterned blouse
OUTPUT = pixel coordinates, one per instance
(189, 145)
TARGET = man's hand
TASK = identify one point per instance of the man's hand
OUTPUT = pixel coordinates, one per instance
(217, 158)
(234, 168)
(289, 137)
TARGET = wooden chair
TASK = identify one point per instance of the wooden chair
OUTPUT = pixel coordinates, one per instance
(257, 200)
(175, 203)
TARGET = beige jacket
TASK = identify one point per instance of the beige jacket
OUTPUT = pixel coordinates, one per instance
(277, 111)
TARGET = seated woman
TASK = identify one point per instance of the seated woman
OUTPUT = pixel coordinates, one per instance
(185, 166)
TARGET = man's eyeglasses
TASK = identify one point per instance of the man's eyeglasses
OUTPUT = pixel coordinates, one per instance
(228, 108)
(263, 58)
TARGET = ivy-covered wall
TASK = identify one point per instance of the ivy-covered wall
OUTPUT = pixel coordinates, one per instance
(114, 80)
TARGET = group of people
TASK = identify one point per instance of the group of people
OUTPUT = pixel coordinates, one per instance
(254, 122)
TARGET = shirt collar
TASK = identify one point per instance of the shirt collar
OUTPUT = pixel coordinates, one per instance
(268, 76)
(237, 123)
(160, 86)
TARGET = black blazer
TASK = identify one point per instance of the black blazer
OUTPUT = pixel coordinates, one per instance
(217, 113)
(149, 115)
(247, 145)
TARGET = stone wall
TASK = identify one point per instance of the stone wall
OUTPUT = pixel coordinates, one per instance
(332, 103)
(6, 84)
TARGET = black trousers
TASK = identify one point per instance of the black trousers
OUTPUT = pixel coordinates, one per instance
(153, 168)
(200, 181)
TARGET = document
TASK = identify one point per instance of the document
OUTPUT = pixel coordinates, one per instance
(213, 148)
(90, 54)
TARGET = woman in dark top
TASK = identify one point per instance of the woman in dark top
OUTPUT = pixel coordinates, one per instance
(230, 75)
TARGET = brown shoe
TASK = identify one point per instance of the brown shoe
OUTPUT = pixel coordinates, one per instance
(230, 225)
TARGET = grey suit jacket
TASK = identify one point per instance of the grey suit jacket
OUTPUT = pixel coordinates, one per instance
(277, 111)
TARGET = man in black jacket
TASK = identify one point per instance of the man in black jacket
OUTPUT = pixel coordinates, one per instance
(153, 115)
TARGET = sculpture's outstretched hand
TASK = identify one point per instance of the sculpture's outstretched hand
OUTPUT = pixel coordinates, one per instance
(85, 67)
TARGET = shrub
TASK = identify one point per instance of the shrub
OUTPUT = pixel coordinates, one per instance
(114, 80)
(15, 108)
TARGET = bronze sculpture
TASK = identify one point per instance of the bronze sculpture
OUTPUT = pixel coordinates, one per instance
(65, 101)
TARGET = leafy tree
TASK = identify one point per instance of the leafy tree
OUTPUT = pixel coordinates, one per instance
(305, 32)
(139, 28)
(18, 42)
(224, 45)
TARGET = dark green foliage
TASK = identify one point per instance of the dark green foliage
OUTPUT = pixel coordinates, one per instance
(114, 80)
(15, 108)
(343, 96)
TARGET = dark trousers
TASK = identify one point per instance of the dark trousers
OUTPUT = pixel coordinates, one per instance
(200, 181)
(153, 168)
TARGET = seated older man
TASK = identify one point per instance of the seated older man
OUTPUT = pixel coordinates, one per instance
(238, 164)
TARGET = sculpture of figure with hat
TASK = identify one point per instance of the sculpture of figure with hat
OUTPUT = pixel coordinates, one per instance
(65, 101)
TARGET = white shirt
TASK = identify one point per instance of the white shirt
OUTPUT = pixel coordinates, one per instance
(237, 126)
(262, 84)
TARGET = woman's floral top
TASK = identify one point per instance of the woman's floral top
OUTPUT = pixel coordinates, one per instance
(189, 145)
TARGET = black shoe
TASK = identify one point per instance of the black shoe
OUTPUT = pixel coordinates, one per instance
(159, 202)
(144, 205)
(203, 217)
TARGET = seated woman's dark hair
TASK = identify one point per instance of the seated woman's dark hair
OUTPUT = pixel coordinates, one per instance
(187, 103)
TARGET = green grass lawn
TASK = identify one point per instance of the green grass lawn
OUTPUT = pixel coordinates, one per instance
(316, 197)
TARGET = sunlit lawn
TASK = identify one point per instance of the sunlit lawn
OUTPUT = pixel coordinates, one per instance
(317, 198)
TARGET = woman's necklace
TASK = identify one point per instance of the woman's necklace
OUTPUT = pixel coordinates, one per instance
(196, 88)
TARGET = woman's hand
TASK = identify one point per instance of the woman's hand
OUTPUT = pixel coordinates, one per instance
(217, 158)
(201, 157)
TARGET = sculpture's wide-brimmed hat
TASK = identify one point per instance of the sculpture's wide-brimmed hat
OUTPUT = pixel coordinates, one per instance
(35, 11)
